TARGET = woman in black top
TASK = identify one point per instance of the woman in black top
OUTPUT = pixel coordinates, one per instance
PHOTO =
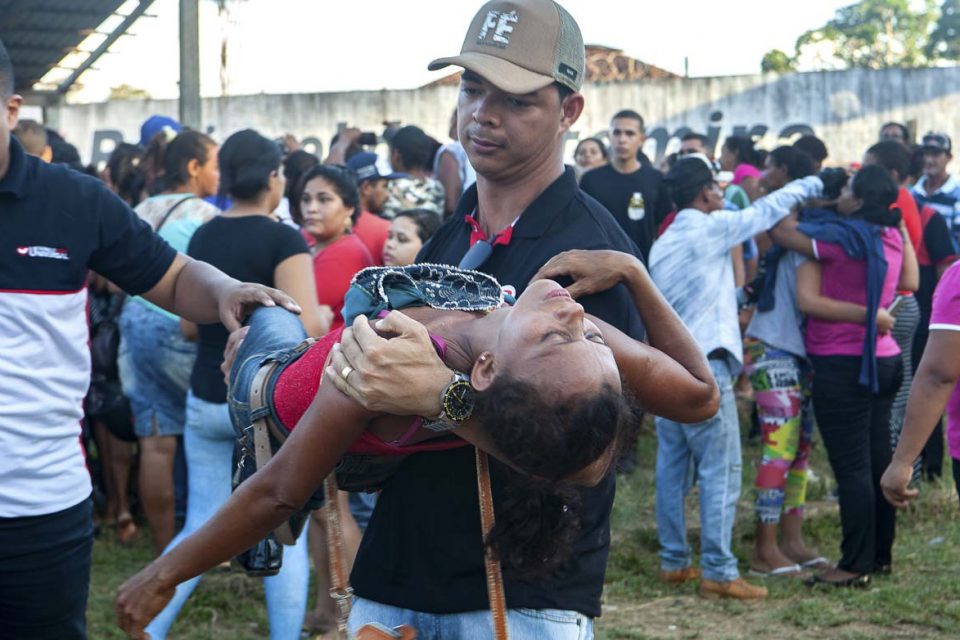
(247, 243)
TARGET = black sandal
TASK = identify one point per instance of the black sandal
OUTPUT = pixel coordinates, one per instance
(856, 582)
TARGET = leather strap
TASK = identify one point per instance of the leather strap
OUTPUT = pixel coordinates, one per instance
(340, 589)
(495, 590)
(170, 211)
(262, 428)
(261, 438)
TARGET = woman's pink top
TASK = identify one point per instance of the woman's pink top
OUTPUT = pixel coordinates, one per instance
(845, 278)
(945, 316)
(297, 385)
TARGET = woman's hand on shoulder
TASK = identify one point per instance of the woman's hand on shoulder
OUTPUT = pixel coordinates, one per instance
(591, 271)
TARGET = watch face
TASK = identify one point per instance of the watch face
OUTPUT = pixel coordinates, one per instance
(458, 401)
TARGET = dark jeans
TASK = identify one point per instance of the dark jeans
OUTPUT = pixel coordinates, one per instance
(45, 574)
(932, 455)
(855, 425)
(956, 474)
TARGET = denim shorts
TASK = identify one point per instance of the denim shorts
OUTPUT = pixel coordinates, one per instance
(155, 363)
(273, 337)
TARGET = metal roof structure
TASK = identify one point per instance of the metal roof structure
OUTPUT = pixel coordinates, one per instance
(38, 34)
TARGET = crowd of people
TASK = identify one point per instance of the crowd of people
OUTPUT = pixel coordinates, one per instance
(222, 316)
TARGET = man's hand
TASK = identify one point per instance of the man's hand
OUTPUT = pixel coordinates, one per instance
(401, 375)
(894, 484)
(592, 271)
(236, 303)
(138, 602)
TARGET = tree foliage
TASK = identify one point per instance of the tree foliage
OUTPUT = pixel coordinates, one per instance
(944, 43)
(777, 61)
(878, 34)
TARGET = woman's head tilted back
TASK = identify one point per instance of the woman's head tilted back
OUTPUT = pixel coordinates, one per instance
(870, 195)
(549, 398)
(250, 168)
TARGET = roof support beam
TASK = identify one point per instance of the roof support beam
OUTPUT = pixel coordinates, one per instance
(125, 24)
(191, 114)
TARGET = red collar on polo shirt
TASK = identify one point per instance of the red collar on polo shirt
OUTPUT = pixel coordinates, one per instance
(476, 233)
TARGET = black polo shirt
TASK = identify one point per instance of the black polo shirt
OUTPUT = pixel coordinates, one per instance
(615, 191)
(422, 549)
(55, 224)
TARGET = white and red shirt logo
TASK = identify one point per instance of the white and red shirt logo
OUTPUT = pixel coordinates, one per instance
(51, 253)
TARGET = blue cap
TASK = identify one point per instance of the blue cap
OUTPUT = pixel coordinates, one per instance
(154, 125)
(364, 165)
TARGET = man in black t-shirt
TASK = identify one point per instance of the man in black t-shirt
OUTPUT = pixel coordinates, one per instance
(634, 194)
(421, 559)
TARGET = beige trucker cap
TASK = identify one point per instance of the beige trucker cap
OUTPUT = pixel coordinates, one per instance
(521, 46)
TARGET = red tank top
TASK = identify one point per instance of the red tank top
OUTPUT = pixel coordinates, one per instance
(298, 384)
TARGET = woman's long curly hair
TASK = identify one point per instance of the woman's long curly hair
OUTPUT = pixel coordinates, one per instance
(538, 513)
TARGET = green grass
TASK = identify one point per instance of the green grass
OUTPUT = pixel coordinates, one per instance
(225, 604)
(920, 600)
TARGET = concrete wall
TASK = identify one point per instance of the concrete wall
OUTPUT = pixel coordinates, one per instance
(845, 108)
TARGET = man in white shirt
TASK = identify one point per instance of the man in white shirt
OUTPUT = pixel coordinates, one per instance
(691, 265)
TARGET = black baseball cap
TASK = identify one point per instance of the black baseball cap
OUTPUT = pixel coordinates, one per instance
(936, 141)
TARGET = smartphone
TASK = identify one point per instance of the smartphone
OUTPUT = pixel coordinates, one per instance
(897, 301)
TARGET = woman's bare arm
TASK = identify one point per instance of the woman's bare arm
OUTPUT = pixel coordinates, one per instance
(814, 304)
(787, 235)
(910, 271)
(448, 173)
(295, 276)
(331, 423)
(670, 377)
(935, 380)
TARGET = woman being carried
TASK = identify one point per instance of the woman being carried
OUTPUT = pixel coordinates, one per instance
(548, 401)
